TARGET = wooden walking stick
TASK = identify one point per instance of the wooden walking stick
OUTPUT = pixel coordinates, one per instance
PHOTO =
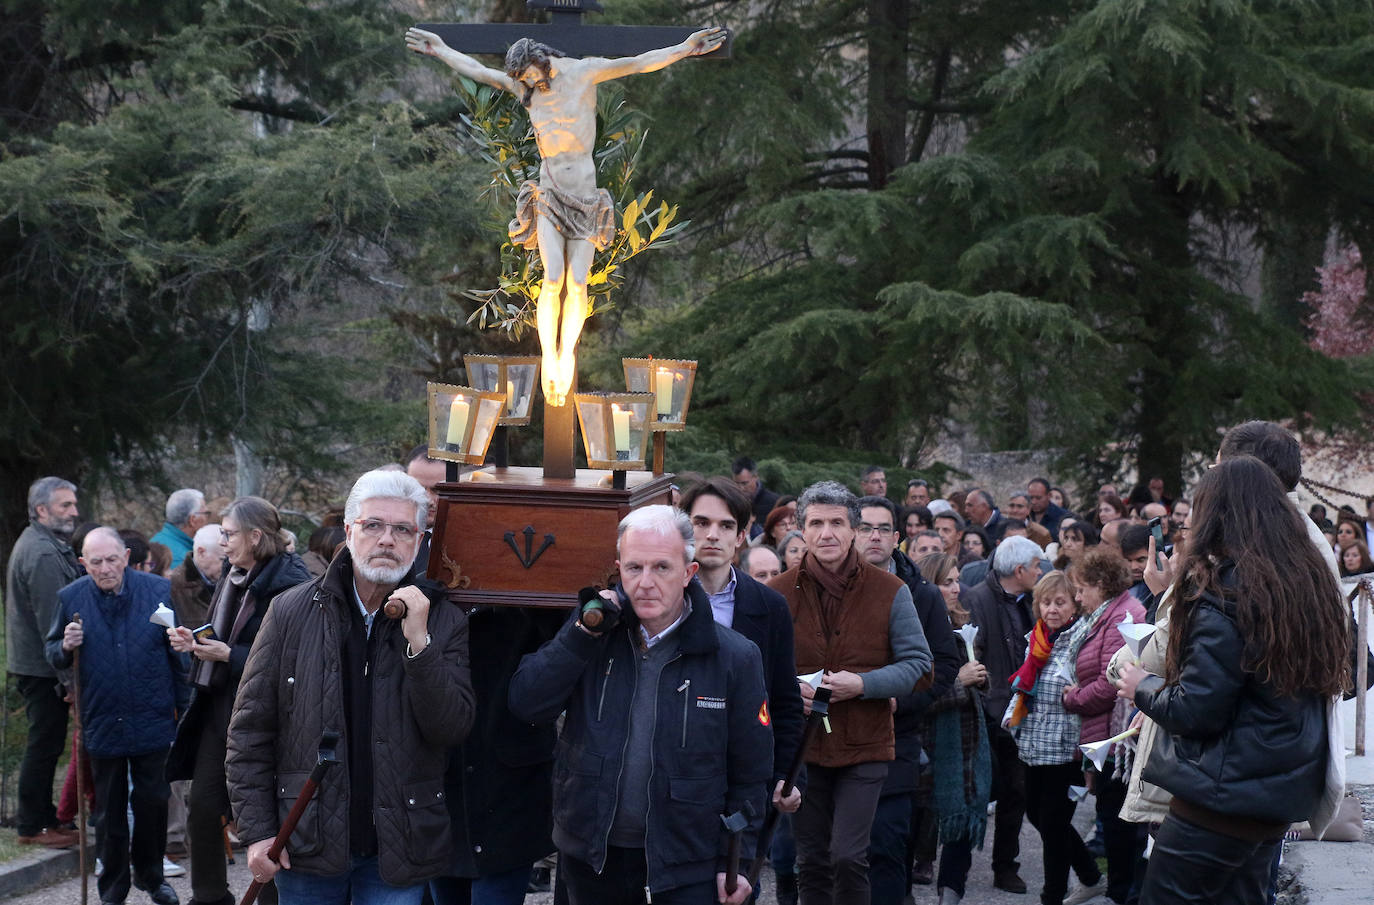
(328, 742)
(818, 717)
(80, 780)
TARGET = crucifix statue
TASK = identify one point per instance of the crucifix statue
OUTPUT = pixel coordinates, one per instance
(563, 214)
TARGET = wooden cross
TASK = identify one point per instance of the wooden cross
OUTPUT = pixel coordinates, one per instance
(568, 34)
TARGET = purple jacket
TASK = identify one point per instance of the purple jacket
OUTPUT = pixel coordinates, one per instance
(1094, 696)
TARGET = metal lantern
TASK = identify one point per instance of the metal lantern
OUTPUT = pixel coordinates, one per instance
(515, 375)
(462, 421)
(670, 382)
(615, 428)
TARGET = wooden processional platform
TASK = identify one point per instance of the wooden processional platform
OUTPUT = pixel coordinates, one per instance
(513, 537)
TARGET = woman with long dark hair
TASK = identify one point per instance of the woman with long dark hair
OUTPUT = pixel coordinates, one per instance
(257, 568)
(1259, 642)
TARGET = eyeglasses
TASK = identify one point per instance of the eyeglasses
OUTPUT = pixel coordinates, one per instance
(226, 533)
(866, 529)
(376, 528)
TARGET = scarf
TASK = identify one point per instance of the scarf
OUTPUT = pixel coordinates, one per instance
(960, 743)
(1023, 680)
(832, 586)
(224, 608)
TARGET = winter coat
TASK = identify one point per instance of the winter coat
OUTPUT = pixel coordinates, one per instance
(1228, 742)
(762, 616)
(1094, 696)
(499, 782)
(132, 683)
(292, 692)
(175, 540)
(1003, 620)
(711, 740)
(909, 718)
(283, 571)
(41, 564)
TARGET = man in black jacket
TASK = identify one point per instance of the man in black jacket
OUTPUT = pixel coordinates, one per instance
(761, 499)
(889, 843)
(499, 782)
(1000, 607)
(667, 730)
(1043, 510)
(719, 512)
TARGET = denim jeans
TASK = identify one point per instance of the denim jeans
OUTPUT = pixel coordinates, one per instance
(361, 885)
(506, 888)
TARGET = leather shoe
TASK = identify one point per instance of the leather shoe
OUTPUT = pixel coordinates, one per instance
(164, 895)
(51, 837)
(1009, 881)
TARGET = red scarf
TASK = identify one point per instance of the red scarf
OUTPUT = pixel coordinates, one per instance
(1023, 680)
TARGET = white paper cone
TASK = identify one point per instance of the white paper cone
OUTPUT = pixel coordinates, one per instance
(1135, 635)
(814, 679)
(163, 616)
(968, 632)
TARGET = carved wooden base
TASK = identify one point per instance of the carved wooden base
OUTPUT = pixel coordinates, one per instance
(513, 537)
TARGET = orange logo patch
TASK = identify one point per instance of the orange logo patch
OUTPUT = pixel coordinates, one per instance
(763, 714)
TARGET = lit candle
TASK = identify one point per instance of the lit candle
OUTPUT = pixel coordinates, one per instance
(663, 387)
(512, 403)
(457, 421)
(620, 421)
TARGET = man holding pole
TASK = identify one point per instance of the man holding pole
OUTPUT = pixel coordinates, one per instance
(132, 686)
(373, 656)
(667, 732)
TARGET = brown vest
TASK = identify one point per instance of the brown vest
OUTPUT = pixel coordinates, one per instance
(855, 639)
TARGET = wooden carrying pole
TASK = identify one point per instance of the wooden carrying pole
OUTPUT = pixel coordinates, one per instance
(80, 781)
(1362, 665)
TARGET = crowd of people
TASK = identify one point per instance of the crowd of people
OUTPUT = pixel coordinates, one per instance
(849, 687)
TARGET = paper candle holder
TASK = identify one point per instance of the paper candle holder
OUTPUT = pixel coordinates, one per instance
(670, 381)
(462, 421)
(516, 375)
(615, 428)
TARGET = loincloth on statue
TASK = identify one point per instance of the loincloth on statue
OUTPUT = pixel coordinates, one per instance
(574, 216)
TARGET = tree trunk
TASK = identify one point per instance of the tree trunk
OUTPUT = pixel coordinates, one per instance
(888, 101)
(248, 468)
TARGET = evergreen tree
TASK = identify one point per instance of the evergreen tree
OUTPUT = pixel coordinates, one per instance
(1071, 277)
(193, 200)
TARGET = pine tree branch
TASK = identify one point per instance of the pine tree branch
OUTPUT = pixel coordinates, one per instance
(298, 111)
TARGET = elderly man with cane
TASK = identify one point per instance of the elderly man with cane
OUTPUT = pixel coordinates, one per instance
(133, 686)
(395, 689)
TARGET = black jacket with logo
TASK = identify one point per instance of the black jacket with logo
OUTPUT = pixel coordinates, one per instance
(712, 740)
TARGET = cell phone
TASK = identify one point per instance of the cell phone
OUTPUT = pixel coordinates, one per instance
(1158, 534)
(205, 633)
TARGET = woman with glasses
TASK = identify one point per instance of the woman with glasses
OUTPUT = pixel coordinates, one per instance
(257, 569)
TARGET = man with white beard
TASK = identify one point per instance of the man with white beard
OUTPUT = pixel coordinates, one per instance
(397, 690)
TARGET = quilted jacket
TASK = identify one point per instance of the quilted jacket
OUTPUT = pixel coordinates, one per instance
(1094, 696)
(132, 683)
(292, 692)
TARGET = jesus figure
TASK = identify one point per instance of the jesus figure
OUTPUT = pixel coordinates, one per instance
(563, 214)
